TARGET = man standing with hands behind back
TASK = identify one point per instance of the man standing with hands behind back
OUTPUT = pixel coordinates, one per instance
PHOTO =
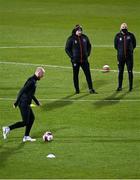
(125, 43)
(78, 48)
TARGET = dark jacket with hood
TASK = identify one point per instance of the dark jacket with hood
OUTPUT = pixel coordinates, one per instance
(78, 48)
(124, 43)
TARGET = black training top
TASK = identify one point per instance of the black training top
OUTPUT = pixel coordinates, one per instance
(78, 48)
(125, 43)
(26, 94)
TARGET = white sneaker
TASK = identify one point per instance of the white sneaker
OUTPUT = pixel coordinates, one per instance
(5, 131)
(28, 138)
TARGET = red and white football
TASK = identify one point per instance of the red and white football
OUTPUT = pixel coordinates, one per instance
(47, 136)
(106, 68)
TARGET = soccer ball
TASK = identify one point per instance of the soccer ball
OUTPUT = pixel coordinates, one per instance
(106, 68)
(47, 136)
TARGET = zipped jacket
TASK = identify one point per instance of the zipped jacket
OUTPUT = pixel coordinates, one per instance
(78, 48)
(125, 43)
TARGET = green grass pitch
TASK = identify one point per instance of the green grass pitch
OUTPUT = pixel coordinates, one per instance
(95, 136)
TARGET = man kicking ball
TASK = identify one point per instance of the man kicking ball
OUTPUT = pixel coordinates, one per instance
(24, 99)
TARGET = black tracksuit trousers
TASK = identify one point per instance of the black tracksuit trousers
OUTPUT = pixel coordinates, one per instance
(27, 119)
(129, 63)
(85, 67)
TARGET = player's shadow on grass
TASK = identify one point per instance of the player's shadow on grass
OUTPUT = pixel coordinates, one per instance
(96, 84)
(114, 98)
(65, 101)
(6, 152)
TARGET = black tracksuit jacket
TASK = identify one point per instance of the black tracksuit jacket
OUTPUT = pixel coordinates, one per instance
(27, 93)
(124, 44)
(78, 48)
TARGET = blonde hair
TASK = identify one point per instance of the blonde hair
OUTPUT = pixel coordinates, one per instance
(123, 26)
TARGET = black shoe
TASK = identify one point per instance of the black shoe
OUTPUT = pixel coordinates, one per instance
(130, 89)
(77, 92)
(119, 89)
(92, 91)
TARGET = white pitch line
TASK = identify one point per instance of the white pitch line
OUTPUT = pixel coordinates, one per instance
(55, 66)
(80, 100)
(31, 64)
(28, 47)
(52, 46)
(48, 46)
